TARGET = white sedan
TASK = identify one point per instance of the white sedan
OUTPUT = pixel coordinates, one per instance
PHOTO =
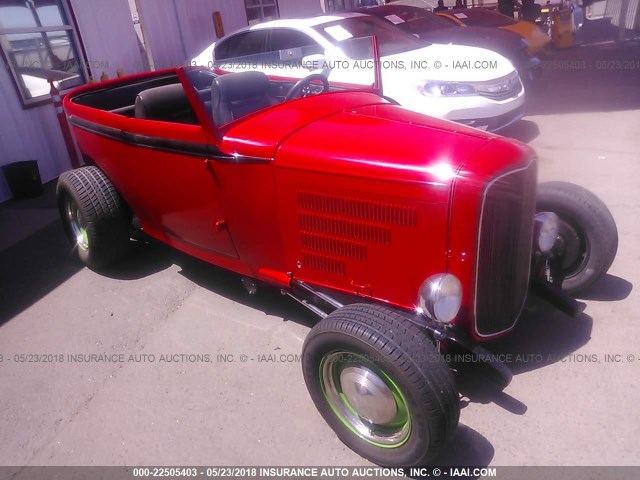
(470, 85)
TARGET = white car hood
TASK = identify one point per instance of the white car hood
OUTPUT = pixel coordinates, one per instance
(448, 62)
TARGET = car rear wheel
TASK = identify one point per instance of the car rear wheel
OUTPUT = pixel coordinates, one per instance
(381, 385)
(587, 237)
(95, 217)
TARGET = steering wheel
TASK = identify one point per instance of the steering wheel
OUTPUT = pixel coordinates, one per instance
(304, 86)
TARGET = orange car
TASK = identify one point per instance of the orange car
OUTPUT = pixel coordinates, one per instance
(481, 17)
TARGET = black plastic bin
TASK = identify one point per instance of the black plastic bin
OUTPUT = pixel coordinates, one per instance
(23, 179)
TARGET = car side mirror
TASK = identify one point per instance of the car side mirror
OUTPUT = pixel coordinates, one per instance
(317, 63)
(290, 55)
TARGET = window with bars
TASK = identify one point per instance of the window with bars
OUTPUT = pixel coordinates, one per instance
(259, 11)
(40, 44)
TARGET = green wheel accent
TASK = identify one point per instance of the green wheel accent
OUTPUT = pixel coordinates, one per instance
(378, 381)
(382, 418)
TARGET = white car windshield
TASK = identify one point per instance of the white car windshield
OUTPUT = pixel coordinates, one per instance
(391, 40)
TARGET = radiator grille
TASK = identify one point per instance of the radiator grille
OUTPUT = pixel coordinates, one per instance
(504, 250)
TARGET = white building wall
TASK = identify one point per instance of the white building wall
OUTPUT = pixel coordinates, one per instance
(178, 30)
(28, 134)
(106, 29)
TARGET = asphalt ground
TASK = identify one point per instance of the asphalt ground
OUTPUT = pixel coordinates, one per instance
(573, 400)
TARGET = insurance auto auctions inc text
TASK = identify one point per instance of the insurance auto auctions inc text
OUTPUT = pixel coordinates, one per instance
(351, 472)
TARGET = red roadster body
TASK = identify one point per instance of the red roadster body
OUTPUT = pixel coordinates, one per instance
(400, 231)
(342, 190)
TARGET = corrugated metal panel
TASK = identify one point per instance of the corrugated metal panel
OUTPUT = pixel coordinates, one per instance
(161, 31)
(197, 22)
(299, 8)
(631, 20)
(108, 35)
(177, 34)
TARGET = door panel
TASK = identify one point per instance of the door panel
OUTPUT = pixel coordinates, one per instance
(172, 190)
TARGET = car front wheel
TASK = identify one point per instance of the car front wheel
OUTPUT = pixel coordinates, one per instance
(381, 385)
(587, 238)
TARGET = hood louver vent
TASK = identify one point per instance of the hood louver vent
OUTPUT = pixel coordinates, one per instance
(330, 245)
(325, 264)
(377, 212)
(333, 228)
(345, 228)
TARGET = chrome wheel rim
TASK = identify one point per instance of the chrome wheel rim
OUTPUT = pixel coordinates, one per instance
(365, 399)
(77, 224)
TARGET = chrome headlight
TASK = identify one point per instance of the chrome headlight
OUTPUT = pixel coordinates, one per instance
(439, 89)
(546, 226)
(440, 297)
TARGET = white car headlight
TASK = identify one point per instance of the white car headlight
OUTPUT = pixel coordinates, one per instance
(440, 297)
(439, 89)
(546, 230)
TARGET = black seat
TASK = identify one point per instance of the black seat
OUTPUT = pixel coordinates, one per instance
(168, 103)
(237, 94)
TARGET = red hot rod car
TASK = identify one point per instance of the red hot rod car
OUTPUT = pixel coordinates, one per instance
(403, 233)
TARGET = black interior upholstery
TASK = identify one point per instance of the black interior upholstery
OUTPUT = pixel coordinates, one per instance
(168, 103)
(120, 99)
(238, 94)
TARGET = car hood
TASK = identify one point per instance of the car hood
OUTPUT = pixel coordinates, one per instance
(260, 134)
(447, 63)
(384, 142)
(501, 41)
